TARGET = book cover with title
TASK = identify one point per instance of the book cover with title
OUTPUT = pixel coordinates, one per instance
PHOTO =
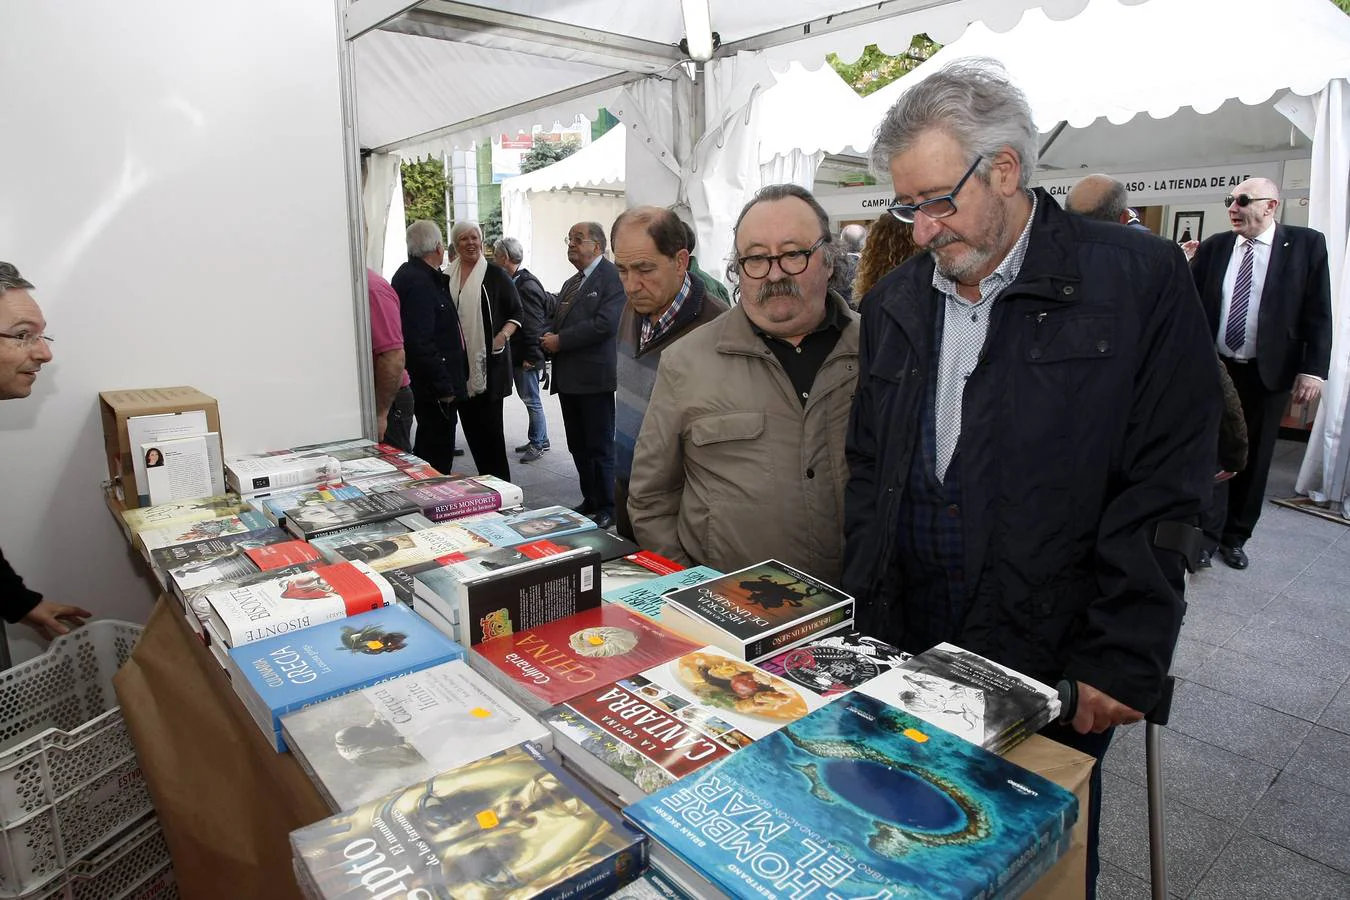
(648, 597)
(758, 611)
(860, 799)
(836, 663)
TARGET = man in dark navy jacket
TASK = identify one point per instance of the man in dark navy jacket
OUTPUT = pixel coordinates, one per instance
(582, 342)
(1266, 289)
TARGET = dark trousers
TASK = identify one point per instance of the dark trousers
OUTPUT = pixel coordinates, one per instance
(1246, 492)
(398, 430)
(481, 418)
(1094, 745)
(435, 432)
(589, 422)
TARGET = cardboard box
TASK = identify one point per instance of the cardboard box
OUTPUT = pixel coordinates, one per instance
(115, 407)
(1071, 770)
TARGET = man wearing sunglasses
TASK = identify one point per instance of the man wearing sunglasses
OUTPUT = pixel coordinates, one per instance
(741, 453)
(1266, 288)
(1032, 439)
(24, 350)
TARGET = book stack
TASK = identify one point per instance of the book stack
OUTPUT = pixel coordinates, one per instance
(268, 472)
(283, 674)
(758, 611)
(334, 516)
(276, 506)
(532, 525)
(512, 825)
(859, 799)
(443, 499)
(237, 556)
(365, 744)
(972, 697)
(163, 515)
(402, 550)
(648, 595)
(640, 733)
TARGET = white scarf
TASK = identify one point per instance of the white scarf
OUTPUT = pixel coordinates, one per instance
(471, 320)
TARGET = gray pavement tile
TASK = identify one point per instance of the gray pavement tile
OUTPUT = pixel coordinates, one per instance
(1301, 609)
(1237, 725)
(1268, 681)
(1194, 839)
(1252, 868)
(1306, 818)
(1337, 713)
(1202, 776)
(1273, 566)
(1323, 758)
(1223, 595)
(1114, 883)
(1188, 656)
(1210, 626)
(1125, 756)
(1278, 522)
(1299, 651)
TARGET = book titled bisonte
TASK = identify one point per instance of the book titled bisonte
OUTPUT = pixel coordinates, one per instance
(367, 743)
(758, 611)
(254, 612)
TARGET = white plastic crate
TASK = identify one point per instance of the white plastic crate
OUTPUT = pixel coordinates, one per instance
(69, 778)
(134, 866)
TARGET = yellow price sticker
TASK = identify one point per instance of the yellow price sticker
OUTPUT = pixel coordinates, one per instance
(479, 713)
(487, 819)
(595, 640)
(915, 735)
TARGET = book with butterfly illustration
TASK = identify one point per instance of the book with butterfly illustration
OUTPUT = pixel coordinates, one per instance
(282, 674)
(367, 743)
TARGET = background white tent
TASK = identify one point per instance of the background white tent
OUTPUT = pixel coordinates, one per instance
(1206, 101)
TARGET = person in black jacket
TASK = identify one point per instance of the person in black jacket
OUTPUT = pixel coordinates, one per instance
(24, 349)
(526, 355)
(583, 343)
(432, 343)
(489, 314)
(1033, 434)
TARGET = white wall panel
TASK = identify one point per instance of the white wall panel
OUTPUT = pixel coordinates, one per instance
(172, 179)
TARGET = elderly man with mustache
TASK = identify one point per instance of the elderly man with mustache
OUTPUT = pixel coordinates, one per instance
(741, 453)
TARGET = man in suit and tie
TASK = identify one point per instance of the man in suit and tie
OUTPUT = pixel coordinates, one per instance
(1266, 289)
(584, 348)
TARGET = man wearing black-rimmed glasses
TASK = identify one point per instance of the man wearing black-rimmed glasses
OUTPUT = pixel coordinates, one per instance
(24, 349)
(741, 453)
(1033, 434)
(1266, 288)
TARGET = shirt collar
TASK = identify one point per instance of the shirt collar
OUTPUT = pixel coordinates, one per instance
(1265, 237)
(586, 272)
(653, 330)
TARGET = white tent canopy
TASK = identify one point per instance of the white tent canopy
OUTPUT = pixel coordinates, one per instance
(1205, 100)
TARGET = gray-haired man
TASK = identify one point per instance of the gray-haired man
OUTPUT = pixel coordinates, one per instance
(1035, 421)
(526, 355)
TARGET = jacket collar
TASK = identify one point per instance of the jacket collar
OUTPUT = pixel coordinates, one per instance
(739, 337)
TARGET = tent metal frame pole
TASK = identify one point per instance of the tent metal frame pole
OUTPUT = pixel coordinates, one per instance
(1054, 136)
(563, 96)
(362, 16)
(862, 15)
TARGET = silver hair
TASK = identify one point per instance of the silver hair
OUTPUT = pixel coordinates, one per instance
(11, 280)
(829, 250)
(461, 227)
(511, 249)
(971, 100)
(853, 237)
(424, 236)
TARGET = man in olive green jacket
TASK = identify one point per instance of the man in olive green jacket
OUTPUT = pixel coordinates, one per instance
(741, 453)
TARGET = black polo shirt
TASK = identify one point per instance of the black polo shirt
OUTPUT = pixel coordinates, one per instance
(803, 361)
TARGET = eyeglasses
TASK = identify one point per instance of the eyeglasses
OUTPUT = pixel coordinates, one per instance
(571, 241)
(793, 262)
(28, 339)
(937, 207)
(1243, 200)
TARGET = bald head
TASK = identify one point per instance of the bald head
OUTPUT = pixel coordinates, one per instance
(1099, 197)
(853, 237)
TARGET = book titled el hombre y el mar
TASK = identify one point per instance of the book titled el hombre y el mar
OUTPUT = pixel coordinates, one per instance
(758, 611)
(861, 799)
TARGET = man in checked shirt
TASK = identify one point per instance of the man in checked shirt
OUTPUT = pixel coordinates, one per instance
(1033, 434)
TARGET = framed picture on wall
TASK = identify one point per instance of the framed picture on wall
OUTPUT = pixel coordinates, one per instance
(1186, 226)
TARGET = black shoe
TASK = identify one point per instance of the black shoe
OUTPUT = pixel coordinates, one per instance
(523, 447)
(602, 520)
(1205, 561)
(584, 508)
(1236, 557)
(531, 453)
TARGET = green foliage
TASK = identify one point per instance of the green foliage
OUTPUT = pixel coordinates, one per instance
(1344, 5)
(492, 228)
(545, 153)
(424, 191)
(874, 69)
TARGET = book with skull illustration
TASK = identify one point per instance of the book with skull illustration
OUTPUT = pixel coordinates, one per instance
(554, 662)
(289, 672)
(639, 733)
(367, 743)
(972, 697)
(758, 611)
(837, 663)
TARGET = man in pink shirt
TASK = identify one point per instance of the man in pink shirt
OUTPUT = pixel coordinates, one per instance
(393, 397)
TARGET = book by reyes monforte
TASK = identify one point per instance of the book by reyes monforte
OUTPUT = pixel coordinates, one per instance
(510, 826)
(859, 799)
(758, 611)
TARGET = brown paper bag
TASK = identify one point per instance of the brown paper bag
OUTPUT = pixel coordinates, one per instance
(1072, 770)
(226, 799)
